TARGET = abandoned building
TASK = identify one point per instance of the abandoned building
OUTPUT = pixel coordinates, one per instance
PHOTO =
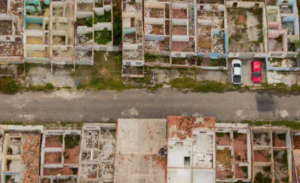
(60, 156)
(133, 38)
(271, 154)
(97, 153)
(179, 149)
(191, 150)
(20, 153)
(233, 152)
(296, 155)
(11, 32)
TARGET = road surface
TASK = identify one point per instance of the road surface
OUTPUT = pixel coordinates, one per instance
(104, 106)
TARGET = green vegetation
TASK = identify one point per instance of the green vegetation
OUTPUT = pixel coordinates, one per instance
(9, 85)
(103, 37)
(152, 58)
(7, 178)
(99, 3)
(200, 86)
(219, 134)
(117, 30)
(102, 18)
(282, 136)
(86, 21)
(290, 124)
(280, 87)
(218, 62)
(59, 158)
(260, 178)
(245, 169)
(236, 135)
(117, 23)
(285, 179)
(283, 159)
(71, 141)
(179, 60)
(47, 87)
(60, 138)
(279, 38)
(132, 2)
(104, 75)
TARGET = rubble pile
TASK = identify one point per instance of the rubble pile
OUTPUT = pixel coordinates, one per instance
(105, 170)
(152, 45)
(90, 139)
(5, 27)
(82, 39)
(88, 171)
(83, 55)
(30, 157)
(11, 48)
(154, 12)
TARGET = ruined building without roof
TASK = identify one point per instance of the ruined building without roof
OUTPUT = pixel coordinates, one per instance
(169, 33)
(178, 149)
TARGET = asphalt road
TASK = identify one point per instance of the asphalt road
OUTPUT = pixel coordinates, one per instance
(103, 106)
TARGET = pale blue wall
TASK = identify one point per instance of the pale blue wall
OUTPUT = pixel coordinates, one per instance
(33, 20)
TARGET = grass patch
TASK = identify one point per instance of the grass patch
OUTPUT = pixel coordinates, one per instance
(281, 136)
(9, 85)
(86, 21)
(102, 18)
(245, 170)
(103, 37)
(104, 75)
(200, 86)
(152, 58)
(260, 178)
(47, 87)
(290, 124)
(219, 134)
(117, 23)
(236, 135)
(71, 141)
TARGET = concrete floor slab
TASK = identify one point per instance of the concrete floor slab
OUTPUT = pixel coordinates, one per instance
(138, 143)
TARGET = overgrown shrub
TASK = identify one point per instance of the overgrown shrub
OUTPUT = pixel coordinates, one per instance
(71, 141)
(9, 85)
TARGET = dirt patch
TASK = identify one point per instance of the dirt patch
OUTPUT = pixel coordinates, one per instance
(179, 30)
(223, 140)
(53, 141)
(224, 161)
(66, 170)
(154, 12)
(53, 158)
(261, 156)
(6, 27)
(161, 162)
(240, 148)
(183, 46)
(72, 155)
(281, 166)
(31, 157)
(296, 142)
(179, 13)
(183, 127)
(240, 172)
(279, 140)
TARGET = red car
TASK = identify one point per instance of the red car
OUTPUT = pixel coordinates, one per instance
(256, 72)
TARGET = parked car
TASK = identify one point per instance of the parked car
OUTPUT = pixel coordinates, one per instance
(236, 71)
(256, 72)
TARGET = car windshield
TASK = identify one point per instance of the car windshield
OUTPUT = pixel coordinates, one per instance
(256, 74)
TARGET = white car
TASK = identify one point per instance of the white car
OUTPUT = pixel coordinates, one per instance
(236, 71)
